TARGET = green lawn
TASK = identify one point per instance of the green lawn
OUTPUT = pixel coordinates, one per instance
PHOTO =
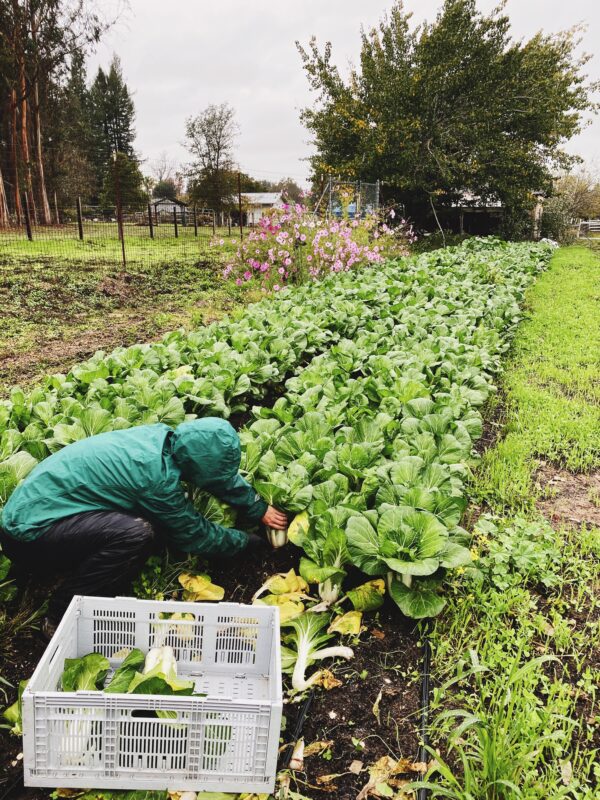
(516, 653)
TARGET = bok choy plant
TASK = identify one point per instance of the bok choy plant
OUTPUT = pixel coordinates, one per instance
(303, 646)
(405, 545)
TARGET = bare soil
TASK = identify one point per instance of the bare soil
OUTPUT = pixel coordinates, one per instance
(567, 498)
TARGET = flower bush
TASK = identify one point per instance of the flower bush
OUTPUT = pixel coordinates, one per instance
(292, 245)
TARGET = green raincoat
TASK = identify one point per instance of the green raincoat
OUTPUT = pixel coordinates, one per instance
(139, 470)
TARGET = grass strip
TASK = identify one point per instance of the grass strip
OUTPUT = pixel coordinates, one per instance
(516, 652)
(551, 385)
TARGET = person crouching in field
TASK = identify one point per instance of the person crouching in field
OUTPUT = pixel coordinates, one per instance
(91, 510)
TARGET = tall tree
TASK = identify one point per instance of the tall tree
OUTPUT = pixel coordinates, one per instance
(210, 139)
(448, 107)
(38, 38)
(123, 183)
(112, 118)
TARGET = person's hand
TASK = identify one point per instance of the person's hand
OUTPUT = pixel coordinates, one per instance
(276, 519)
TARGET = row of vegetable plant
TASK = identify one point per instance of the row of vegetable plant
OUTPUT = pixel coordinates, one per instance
(215, 371)
(373, 441)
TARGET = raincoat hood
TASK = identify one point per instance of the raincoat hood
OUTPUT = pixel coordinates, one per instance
(207, 451)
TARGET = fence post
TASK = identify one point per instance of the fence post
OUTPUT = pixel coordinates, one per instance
(28, 219)
(175, 221)
(79, 219)
(229, 223)
(240, 206)
(119, 209)
(195, 222)
(214, 213)
(150, 225)
(56, 209)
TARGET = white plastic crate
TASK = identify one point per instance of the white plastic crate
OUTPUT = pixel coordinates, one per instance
(225, 741)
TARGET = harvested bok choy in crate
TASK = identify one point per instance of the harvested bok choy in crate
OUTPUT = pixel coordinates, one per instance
(139, 694)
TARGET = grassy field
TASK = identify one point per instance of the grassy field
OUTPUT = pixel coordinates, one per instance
(517, 651)
(62, 298)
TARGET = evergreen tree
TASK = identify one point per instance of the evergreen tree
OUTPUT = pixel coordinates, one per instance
(111, 116)
(123, 179)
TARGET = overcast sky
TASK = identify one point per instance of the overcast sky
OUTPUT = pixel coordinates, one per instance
(180, 55)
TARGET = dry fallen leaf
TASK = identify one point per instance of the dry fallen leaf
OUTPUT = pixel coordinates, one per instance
(327, 680)
(316, 748)
(323, 780)
(377, 633)
(355, 767)
(379, 774)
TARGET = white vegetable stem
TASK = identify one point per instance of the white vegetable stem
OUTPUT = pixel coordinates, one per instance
(299, 682)
(277, 538)
(329, 591)
(162, 657)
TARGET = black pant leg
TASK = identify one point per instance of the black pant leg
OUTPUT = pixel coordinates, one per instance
(110, 546)
(98, 551)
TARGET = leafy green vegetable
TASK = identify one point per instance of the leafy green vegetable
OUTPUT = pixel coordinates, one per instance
(84, 674)
(307, 636)
(14, 713)
(123, 675)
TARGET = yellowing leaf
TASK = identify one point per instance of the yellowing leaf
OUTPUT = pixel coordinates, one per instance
(283, 583)
(288, 609)
(326, 679)
(368, 596)
(316, 748)
(348, 624)
(287, 584)
(298, 528)
(200, 587)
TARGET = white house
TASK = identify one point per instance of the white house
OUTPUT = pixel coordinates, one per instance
(257, 204)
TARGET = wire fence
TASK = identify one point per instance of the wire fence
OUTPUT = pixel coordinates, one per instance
(117, 237)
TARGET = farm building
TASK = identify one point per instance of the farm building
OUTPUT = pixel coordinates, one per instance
(257, 204)
(165, 205)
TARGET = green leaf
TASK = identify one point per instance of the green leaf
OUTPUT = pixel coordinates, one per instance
(455, 555)
(419, 601)
(14, 713)
(363, 546)
(313, 573)
(123, 676)
(84, 674)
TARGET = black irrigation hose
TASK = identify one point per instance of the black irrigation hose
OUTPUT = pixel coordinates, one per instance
(422, 758)
(298, 728)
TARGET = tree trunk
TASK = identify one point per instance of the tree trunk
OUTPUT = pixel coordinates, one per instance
(44, 205)
(46, 216)
(4, 218)
(14, 157)
(24, 139)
